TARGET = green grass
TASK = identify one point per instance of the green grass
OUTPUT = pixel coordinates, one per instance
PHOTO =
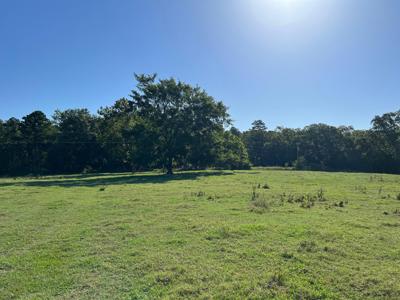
(201, 235)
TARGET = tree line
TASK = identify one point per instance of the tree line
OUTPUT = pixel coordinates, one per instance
(163, 124)
(167, 124)
(328, 148)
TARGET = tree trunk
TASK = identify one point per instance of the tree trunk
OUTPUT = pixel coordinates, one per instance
(169, 167)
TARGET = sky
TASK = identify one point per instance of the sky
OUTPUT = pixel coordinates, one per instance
(289, 63)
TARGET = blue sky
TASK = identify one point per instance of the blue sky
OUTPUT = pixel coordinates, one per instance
(287, 62)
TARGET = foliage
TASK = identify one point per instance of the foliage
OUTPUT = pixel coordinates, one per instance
(164, 124)
(167, 124)
(182, 116)
(324, 147)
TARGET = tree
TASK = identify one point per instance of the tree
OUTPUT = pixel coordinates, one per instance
(258, 125)
(76, 145)
(255, 140)
(3, 149)
(386, 136)
(233, 153)
(12, 151)
(37, 135)
(128, 140)
(322, 146)
(235, 131)
(179, 114)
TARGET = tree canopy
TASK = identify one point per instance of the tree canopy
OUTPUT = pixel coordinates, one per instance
(167, 124)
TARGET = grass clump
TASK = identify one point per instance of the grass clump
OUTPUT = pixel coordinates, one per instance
(287, 255)
(258, 202)
(198, 194)
(339, 204)
(304, 200)
(276, 281)
(266, 186)
(307, 246)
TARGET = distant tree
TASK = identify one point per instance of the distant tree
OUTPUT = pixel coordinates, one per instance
(258, 125)
(13, 153)
(386, 137)
(76, 146)
(322, 146)
(37, 135)
(3, 149)
(233, 153)
(168, 123)
(179, 114)
(281, 147)
(235, 131)
(128, 140)
(255, 140)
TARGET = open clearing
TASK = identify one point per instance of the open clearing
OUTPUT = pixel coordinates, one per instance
(305, 235)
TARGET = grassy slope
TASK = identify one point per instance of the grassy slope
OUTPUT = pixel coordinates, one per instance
(148, 236)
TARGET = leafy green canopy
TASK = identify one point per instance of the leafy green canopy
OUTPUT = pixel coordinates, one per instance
(170, 124)
(185, 119)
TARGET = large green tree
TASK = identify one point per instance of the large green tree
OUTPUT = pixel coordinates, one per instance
(181, 116)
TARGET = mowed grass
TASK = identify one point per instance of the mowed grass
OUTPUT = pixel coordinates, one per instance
(199, 235)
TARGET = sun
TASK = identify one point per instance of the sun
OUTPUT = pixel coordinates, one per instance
(288, 2)
(275, 12)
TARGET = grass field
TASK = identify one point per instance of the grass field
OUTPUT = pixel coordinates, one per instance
(256, 234)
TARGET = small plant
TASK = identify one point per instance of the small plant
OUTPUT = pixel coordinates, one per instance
(221, 233)
(254, 194)
(305, 200)
(308, 202)
(266, 186)
(299, 199)
(307, 246)
(398, 196)
(199, 194)
(340, 204)
(102, 189)
(287, 255)
(321, 195)
(276, 280)
(224, 232)
(261, 203)
(361, 189)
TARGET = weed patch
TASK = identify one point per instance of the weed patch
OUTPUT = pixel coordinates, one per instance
(307, 246)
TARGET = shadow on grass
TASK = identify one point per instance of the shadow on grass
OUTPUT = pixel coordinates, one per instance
(113, 179)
